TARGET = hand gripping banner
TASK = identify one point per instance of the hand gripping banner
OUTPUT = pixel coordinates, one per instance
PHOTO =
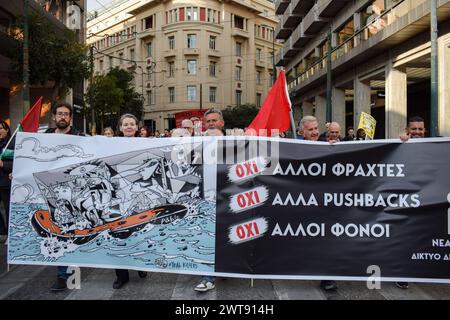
(234, 206)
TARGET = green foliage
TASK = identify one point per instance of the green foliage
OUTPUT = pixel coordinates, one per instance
(133, 101)
(112, 96)
(55, 55)
(239, 116)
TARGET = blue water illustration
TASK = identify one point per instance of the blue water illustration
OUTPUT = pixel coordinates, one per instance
(185, 245)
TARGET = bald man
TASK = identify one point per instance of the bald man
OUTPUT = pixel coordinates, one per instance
(333, 133)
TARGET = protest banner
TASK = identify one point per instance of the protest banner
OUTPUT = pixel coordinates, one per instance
(264, 208)
(369, 124)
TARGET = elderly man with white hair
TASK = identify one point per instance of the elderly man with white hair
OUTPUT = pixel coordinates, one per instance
(188, 125)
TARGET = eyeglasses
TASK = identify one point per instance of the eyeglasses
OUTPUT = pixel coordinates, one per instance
(63, 114)
(187, 128)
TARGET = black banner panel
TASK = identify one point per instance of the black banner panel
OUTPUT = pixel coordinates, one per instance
(308, 211)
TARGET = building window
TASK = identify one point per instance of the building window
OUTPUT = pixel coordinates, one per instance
(239, 49)
(192, 67)
(258, 54)
(100, 62)
(270, 79)
(192, 13)
(211, 16)
(132, 56)
(192, 93)
(212, 42)
(149, 49)
(191, 41)
(121, 58)
(238, 98)
(150, 97)
(258, 77)
(212, 68)
(239, 22)
(172, 42)
(148, 23)
(171, 69)
(238, 73)
(258, 100)
(111, 62)
(212, 94)
(171, 94)
(173, 16)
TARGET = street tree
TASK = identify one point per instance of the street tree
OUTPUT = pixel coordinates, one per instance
(133, 101)
(107, 98)
(239, 116)
(113, 95)
(56, 58)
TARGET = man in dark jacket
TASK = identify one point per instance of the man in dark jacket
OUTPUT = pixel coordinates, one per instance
(62, 115)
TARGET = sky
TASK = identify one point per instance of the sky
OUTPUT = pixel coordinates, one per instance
(96, 4)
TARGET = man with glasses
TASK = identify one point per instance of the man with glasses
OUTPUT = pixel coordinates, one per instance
(62, 115)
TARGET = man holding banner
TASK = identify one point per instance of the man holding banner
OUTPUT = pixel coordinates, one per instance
(309, 128)
(62, 115)
(415, 129)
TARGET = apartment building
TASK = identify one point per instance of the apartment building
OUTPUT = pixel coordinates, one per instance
(188, 55)
(379, 61)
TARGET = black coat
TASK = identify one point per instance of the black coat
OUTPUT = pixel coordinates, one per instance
(72, 131)
(5, 182)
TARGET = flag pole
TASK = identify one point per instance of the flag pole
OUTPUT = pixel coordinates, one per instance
(10, 139)
(294, 130)
(291, 113)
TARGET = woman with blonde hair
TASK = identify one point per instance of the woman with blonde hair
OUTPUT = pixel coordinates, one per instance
(108, 132)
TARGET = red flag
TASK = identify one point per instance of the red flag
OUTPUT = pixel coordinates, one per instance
(30, 123)
(275, 111)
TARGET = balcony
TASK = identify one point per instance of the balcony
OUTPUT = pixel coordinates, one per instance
(289, 49)
(147, 34)
(214, 53)
(260, 63)
(169, 53)
(237, 32)
(191, 51)
(281, 32)
(329, 8)
(281, 5)
(299, 37)
(313, 23)
(302, 7)
(291, 19)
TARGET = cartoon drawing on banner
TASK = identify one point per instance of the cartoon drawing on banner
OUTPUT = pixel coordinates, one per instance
(48, 154)
(155, 195)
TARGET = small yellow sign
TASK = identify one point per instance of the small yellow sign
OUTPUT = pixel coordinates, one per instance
(368, 123)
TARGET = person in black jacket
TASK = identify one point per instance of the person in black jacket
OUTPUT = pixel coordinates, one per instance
(62, 115)
(5, 170)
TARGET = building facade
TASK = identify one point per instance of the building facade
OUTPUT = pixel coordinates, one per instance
(62, 14)
(188, 55)
(379, 61)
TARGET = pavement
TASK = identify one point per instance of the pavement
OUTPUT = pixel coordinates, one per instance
(33, 283)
